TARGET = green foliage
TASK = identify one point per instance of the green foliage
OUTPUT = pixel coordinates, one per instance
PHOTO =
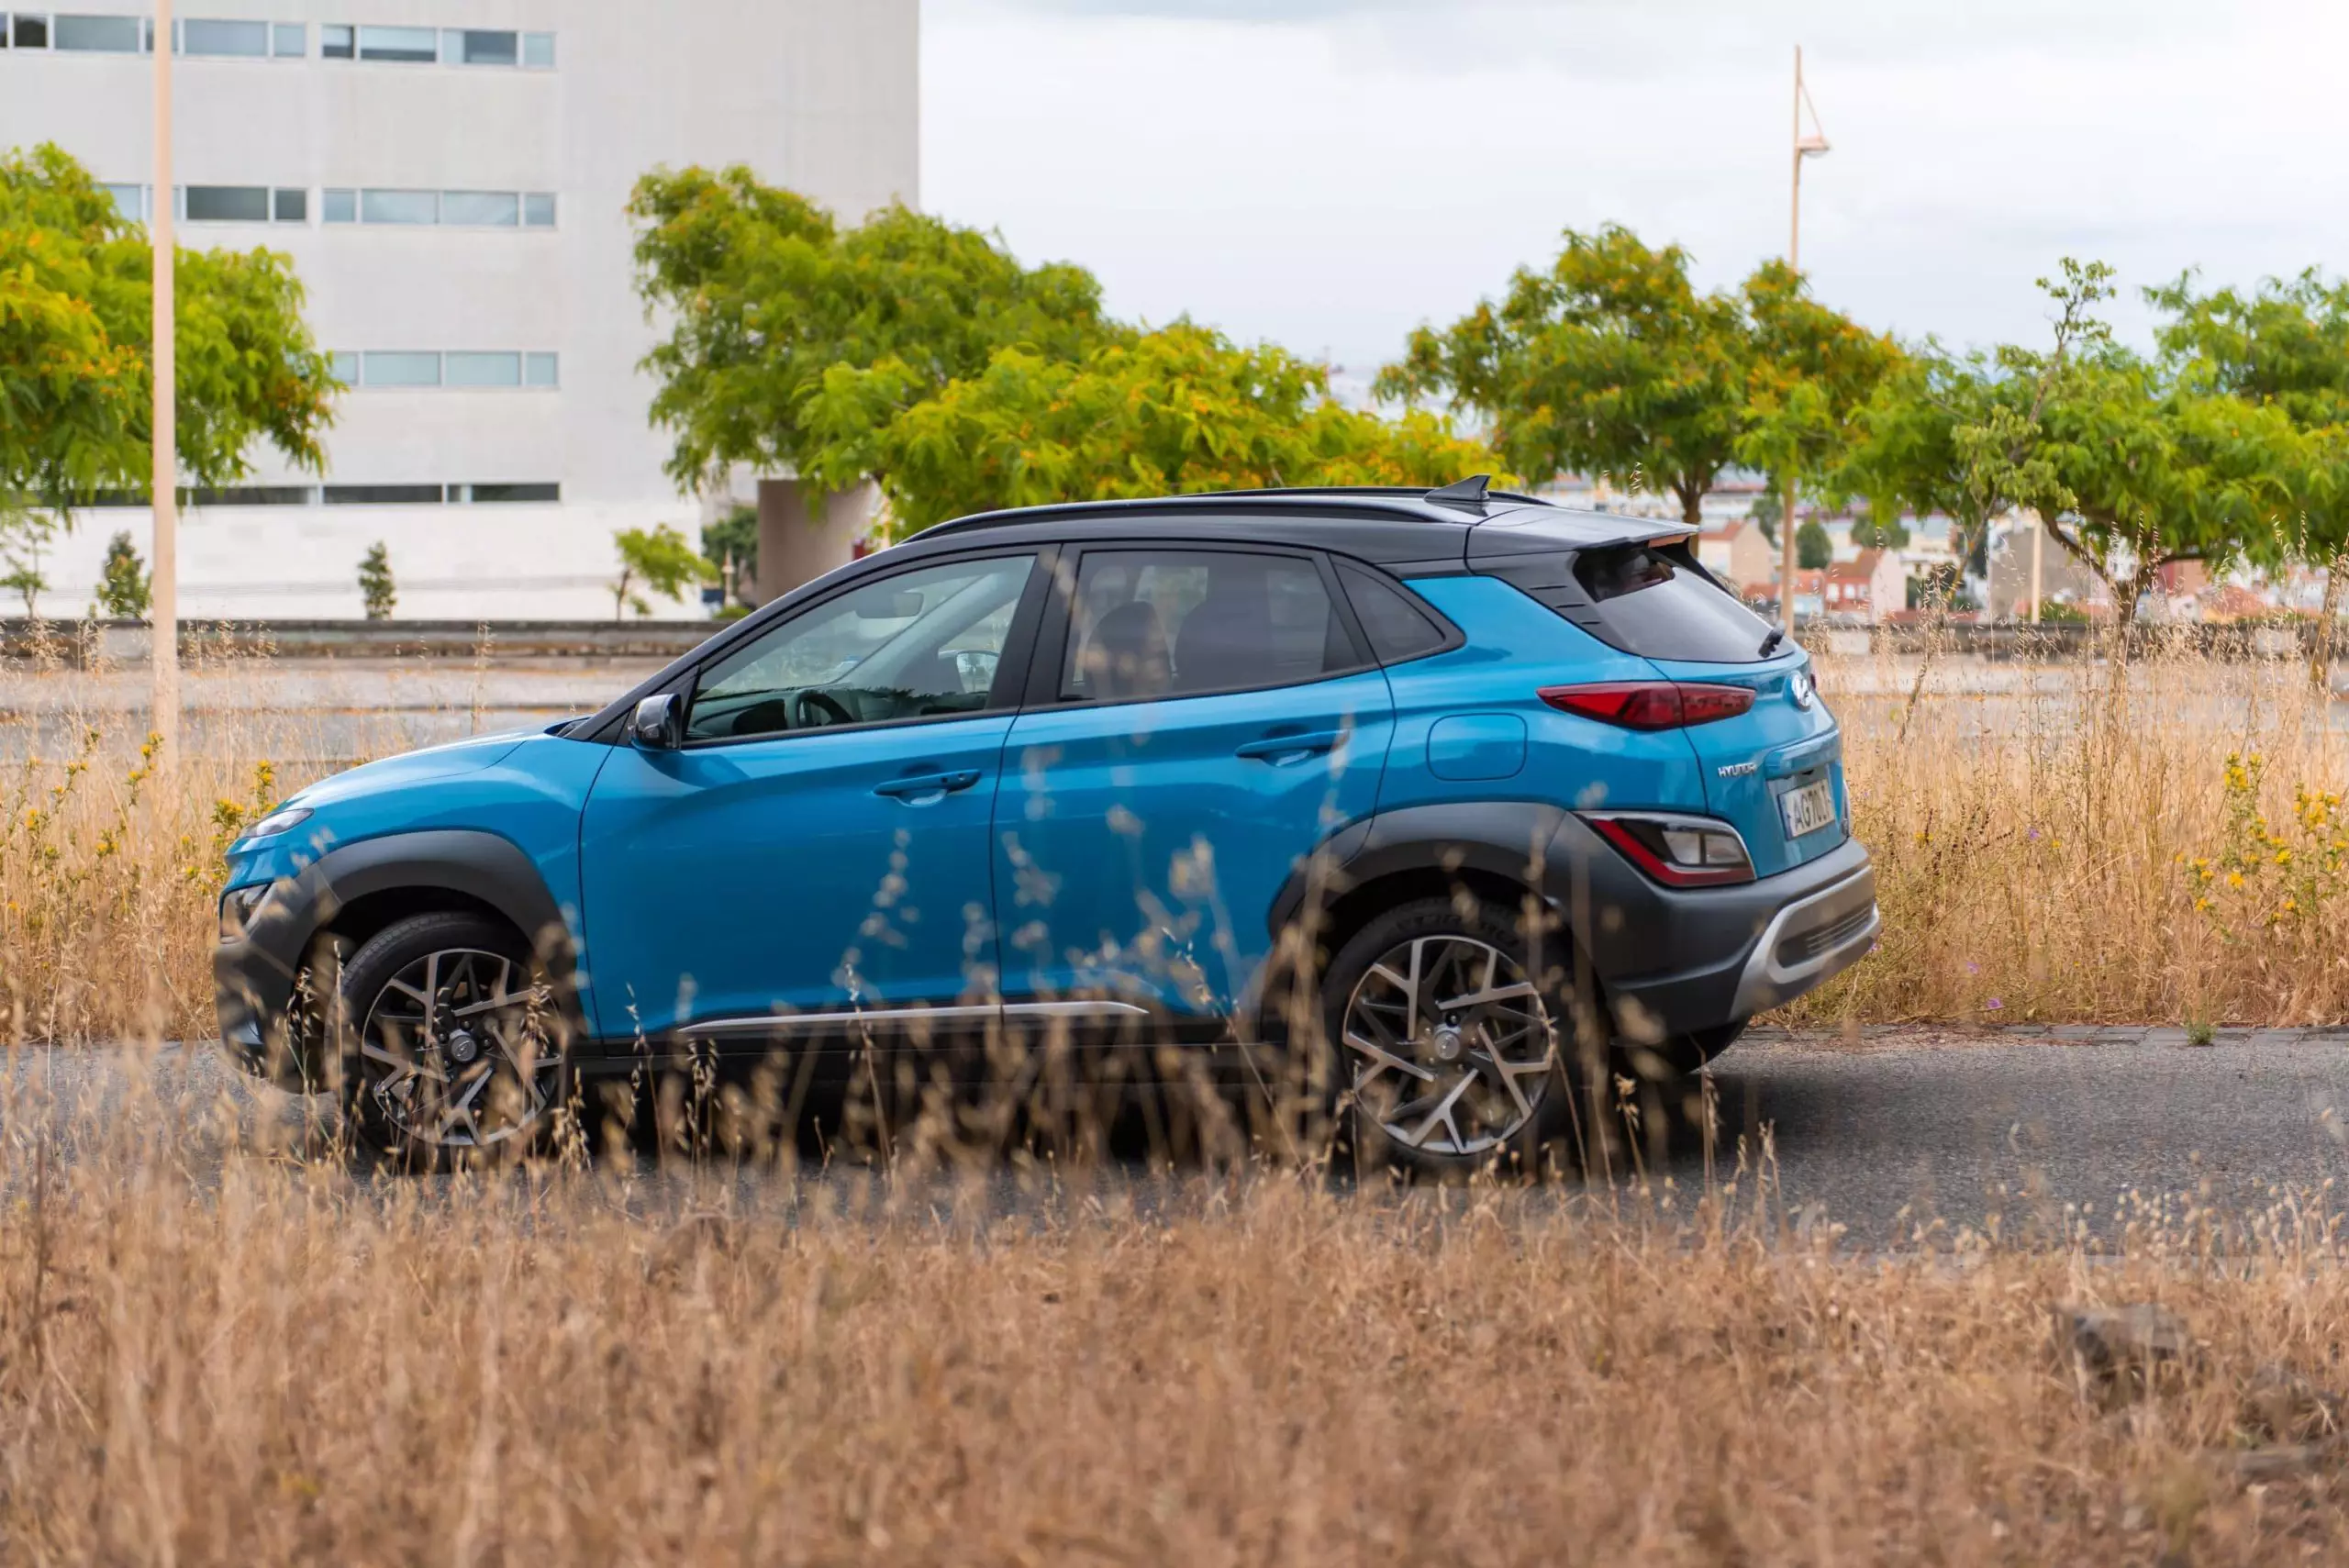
(75, 325)
(1174, 410)
(658, 558)
(924, 356)
(1813, 549)
(735, 538)
(124, 592)
(1765, 514)
(376, 588)
(1869, 535)
(1610, 361)
(764, 295)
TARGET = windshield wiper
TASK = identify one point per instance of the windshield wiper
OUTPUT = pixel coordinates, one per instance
(1778, 635)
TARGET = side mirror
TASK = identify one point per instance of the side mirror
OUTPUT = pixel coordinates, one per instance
(658, 724)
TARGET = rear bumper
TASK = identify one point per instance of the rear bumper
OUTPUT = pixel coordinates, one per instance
(1676, 961)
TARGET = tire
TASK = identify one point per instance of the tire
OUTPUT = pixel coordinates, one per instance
(477, 1074)
(1441, 1091)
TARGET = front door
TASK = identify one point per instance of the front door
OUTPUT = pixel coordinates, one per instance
(820, 842)
(1210, 720)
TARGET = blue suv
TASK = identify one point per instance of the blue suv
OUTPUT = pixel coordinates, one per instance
(1437, 782)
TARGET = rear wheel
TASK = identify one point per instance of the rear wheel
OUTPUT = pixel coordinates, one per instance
(1445, 1047)
(453, 1044)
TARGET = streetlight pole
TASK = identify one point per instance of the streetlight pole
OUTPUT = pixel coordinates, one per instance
(1804, 147)
(163, 656)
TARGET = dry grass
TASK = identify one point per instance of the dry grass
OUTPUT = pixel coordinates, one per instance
(274, 1363)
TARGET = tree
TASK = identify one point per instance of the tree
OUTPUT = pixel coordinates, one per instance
(764, 296)
(24, 534)
(124, 592)
(1813, 549)
(1174, 410)
(659, 559)
(2286, 345)
(1765, 513)
(1868, 534)
(376, 589)
(1610, 361)
(733, 540)
(2140, 473)
(75, 325)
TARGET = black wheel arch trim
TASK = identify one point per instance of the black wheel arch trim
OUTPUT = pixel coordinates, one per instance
(256, 975)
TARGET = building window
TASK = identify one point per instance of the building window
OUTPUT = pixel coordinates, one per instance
(399, 207)
(128, 200)
(469, 48)
(290, 40)
(483, 369)
(29, 32)
(425, 45)
(234, 41)
(505, 495)
(466, 369)
(235, 204)
(225, 204)
(480, 209)
(384, 495)
(399, 368)
(97, 35)
(456, 209)
(404, 46)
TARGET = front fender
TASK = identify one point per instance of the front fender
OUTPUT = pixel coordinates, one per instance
(255, 973)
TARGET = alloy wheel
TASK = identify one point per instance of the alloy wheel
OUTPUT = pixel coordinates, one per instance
(454, 1053)
(1450, 1044)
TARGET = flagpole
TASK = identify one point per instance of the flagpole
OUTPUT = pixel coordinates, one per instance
(1794, 264)
(163, 655)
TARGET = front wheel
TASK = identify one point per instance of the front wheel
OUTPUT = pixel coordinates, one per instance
(1446, 1049)
(453, 1047)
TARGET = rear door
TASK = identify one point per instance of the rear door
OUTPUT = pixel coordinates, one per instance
(1198, 720)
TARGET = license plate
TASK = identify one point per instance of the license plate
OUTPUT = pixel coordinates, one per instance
(1807, 809)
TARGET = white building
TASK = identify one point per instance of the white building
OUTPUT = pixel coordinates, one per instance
(449, 177)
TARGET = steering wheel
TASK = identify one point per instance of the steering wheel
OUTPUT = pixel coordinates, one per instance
(812, 709)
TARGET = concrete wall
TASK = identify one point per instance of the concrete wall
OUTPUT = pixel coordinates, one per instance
(820, 95)
(797, 546)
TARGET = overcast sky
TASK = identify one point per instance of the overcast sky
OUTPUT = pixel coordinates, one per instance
(1329, 174)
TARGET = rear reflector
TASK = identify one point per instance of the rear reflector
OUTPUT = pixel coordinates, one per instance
(1650, 705)
(1678, 851)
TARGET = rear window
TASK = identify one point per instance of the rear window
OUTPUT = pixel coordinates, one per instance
(1658, 608)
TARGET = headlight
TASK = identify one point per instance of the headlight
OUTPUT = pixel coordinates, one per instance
(277, 822)
(237, 906)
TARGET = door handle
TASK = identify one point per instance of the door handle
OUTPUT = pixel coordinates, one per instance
(920, 789)
(1280, 750)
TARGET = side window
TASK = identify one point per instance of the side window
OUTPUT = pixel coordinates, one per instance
(910, 645)
(1155, 623)
(1397, 627)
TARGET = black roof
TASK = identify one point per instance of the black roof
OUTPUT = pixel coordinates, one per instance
(1407, 533)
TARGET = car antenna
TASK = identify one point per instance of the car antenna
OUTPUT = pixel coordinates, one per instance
(1469, 492)
(1778, 634)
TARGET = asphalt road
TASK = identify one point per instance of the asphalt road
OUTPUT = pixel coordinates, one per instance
(1901, 1138)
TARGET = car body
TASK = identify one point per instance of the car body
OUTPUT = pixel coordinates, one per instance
(1093, 768)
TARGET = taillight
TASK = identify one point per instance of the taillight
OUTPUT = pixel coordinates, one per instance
(1679, 851)
(1650, 705)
